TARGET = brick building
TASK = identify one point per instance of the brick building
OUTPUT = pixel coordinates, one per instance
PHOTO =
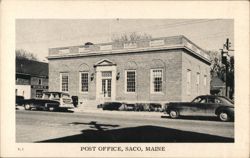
(31, 78)
(158, 70)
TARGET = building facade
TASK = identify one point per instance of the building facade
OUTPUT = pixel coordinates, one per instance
(156, 70)
(31, 78)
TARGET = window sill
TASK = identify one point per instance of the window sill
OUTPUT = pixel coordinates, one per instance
(84, 92)
(130, 92)
(157, 93)
(65, 91)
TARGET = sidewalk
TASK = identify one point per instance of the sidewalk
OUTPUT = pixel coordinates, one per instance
(128, 113)
(100, 111)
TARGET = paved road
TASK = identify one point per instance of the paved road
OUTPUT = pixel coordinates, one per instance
(115, 126)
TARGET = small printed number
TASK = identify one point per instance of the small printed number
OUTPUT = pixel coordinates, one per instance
(20, 149)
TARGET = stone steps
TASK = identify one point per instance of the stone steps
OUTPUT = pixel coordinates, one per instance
(88, 105)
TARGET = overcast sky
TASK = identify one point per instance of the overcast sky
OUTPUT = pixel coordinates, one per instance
(36, 36)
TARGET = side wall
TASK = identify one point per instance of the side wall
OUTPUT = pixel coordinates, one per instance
(23, 90)
(196, 66)
(35, 85)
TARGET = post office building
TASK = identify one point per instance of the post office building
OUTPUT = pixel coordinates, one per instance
(157, 70)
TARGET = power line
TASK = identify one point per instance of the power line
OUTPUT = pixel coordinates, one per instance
(156, 27)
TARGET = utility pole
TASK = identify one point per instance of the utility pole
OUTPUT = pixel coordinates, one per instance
(224, 55)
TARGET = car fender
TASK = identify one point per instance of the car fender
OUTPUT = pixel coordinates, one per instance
(171, 107)
(228, 109)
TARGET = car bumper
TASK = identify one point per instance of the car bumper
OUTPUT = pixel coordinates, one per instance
(69, 106)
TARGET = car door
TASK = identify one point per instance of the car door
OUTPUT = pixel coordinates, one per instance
(196, 107)
(212, 104)
(201, 106)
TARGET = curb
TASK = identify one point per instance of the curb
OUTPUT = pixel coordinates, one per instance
(100, 111)
(119, 112)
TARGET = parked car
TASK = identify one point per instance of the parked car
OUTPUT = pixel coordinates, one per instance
(51, 101)
(19, 100)
(206, 105)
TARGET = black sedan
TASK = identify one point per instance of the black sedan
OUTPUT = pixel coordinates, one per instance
(206, 105)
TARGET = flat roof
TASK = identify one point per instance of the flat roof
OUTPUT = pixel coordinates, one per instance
(154, 44)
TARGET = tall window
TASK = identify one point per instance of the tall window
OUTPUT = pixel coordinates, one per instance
(205, 81)
(188, 81)
(39, 81)
(197, 81)
(130, 81)
(64, 82)
(84, 82)
(156, 80)
(197, 78)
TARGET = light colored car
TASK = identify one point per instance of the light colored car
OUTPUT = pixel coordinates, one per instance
(51, 101)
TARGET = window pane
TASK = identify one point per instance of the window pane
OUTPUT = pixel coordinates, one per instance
(157, 80)
(109, 87)
(65, 82)
(39, 93)
(205, 80)
(130, 81)
(39, 81)
(188, 81)
(84, 82)
(198, 78)
(106, 74)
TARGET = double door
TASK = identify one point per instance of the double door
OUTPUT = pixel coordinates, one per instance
(106, 88)
(105, 83)
(106, 80)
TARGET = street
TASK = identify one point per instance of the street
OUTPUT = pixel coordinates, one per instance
(117, 126)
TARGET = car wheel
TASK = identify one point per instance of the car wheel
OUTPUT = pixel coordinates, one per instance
(223, 116)
(173, 114)
(27, 107)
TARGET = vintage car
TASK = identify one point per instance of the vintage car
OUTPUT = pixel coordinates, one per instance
(206, 105)
(51, 101)
(19, 100)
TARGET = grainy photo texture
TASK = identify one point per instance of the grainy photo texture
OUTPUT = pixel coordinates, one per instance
(124, 80)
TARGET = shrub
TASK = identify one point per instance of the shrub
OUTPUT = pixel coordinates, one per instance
(111, 105)
(129, 107)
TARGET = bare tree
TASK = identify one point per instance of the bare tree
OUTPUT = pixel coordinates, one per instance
(23, 54)
(219, 69)
(132, 37)
(216, 66)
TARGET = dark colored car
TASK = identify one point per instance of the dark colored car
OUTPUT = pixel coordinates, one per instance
(206, 105)
(51, 101)
(19, 100)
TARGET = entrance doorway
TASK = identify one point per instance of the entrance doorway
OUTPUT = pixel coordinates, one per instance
(105, 81)
(106, 84)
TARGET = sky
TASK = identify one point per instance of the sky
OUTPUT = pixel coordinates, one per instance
(38, 35)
